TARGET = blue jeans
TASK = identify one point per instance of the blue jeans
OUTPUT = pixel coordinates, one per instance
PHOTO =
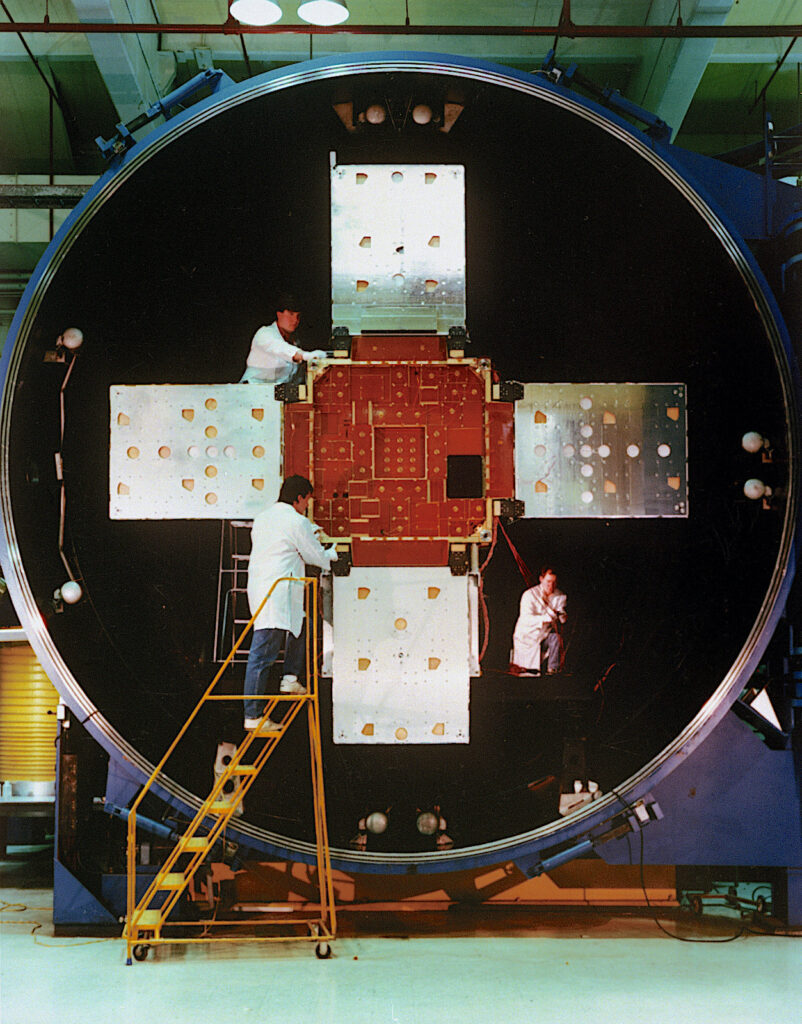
(265, 648)
(551, 648)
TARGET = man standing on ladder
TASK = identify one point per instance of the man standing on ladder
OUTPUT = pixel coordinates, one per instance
(283, 540)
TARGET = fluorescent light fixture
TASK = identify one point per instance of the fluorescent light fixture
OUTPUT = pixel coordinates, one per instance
(323, 12)
(255, 12)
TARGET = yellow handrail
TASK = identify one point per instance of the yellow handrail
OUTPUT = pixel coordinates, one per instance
(311, 647)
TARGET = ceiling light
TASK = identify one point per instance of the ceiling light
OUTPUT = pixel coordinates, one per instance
(255, 12)
(323, 12)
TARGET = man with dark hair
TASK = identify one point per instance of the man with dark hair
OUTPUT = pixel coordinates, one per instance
(537, 631)
(274, 356)
(282, 541)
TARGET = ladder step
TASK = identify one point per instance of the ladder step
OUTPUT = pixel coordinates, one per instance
(173, 880)
(147, 919)
(194, 843)
(245, 769)
(223, 806)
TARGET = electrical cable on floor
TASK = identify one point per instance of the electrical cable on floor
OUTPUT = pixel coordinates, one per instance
(670, 934)
(21, 908)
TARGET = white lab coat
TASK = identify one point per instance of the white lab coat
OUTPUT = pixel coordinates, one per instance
(538, 617)
(270, 360)
(282, 542)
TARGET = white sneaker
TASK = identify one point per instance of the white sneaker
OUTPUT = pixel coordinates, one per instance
(267, 726)
(290, 684)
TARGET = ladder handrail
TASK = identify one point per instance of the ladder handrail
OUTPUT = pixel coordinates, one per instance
(311, 638)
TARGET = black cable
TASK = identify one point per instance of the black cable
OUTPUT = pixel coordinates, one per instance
(671, 935)
(245, 56)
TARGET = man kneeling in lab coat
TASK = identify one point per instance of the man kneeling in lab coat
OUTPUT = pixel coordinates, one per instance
(538, 629)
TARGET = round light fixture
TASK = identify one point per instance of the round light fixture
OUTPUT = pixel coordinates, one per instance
(376, 822)
(755, 489)
(71, 592)
(71, 339)
(323, 12)
(255, 12)
(427, 823)
(752, 441)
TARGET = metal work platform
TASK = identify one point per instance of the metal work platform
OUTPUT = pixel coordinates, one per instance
(148, 921)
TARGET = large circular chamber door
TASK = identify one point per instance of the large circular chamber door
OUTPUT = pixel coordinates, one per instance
(590, 257)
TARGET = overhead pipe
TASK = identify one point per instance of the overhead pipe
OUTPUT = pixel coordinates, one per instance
(565, 30)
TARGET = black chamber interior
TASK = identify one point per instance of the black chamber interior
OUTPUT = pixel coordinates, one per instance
(583, 264)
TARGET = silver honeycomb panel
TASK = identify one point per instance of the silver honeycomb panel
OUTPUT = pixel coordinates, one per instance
(398, 247)
(192, 451)
(602, 450)
(406, 679)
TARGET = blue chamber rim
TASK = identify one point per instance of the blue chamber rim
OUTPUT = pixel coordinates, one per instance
(669, 164)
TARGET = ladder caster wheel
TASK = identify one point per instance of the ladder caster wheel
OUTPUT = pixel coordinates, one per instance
(323, 951)
(141, 952)
(760, 905)
(697, 907)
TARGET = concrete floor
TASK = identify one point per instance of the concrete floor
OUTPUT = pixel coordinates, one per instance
(522, 965)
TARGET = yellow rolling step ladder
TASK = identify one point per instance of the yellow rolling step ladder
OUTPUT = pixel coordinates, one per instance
(148, 920)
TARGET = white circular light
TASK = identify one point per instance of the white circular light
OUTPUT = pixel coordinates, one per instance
(754, 489)
(421, 114)
(428, 823)
(569, 451)
(604, 450)
(255, 12)
(664, 450)
(585, 403)
(376, 823)
(71, 592)
(375, 114)
(72, 338)
(633, 451)
(323, 12)
(586, 470)
(586, 451)
(587, 497)
(586, 431)
(540, 450)
(752, 441)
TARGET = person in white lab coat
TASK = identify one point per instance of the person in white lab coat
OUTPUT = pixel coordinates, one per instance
(283, 540)
(538, 629)
(274, 357)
